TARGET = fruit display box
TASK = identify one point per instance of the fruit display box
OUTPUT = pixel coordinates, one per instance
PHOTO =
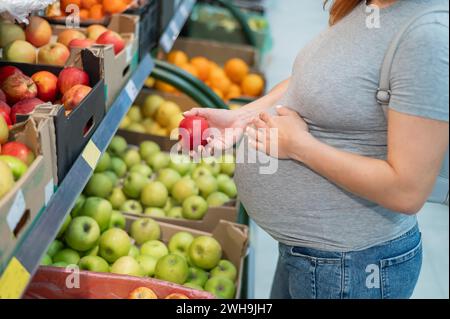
(115, 69)
(33, 190)
(81, 122)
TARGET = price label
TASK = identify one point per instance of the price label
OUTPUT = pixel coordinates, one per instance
(91, 154)
(49, 188)
(16, 211)
(14, 280)
(129, 53)
(131, 90)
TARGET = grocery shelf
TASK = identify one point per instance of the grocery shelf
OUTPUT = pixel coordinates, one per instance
(32, 246)
(177, 22)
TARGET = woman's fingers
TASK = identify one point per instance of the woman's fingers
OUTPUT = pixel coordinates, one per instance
(258, 123)
(265, 117)
(197, 111)
(259, 146)
(285, 111)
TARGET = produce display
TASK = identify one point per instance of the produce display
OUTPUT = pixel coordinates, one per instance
(147, 293)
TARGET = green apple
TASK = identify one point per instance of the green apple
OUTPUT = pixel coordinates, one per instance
(142, 169)
(221, 178)
(158, 161)
(119, 167)
(154, 248)
(93, 263)
(60, 264)
(64, 226)
(99, 209)
(132, 207)
(212, 163)
(125, 122)
(134, 251)
(54, 247)
(226, 269)
(154, 212)
(135, 114)
(127, 265)
(180, 163)
(46, 260)
(17, 167)
(117, 220)
(92, 252)
(168, 177)
(67, 255)
(4, 131)
(113, 177)
(117, 198)
(169, 204)
(217, 199)
(183, 189)
(103, 164)
(7, 180)
(197, 276)
(117, 146)
(221, 287)
(180, 242)
(145, 229)
(200, 171)
(194, 208)
(205, 252)
(207, 185)
(133, 185)
(82, 233)
(193, 286)
(172, 268)
(175, 212)
(76, 210)
(154, 194)
(227, 165)
(148, 148)
(137, 127)
(229, 188)
(114, 243)
(148, 264)
(100, 185)
(131, 157)
(151, 105)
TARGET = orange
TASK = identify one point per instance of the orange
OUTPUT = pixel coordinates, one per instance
(142, 293)
(114, 6)
(234, 92)
(219, 93)
(87, 4)
(176, 296)
(65, 3)
(162, 86)
(236, 70)
(190, 69)
(220, 81)
(252, 85)
(84, 14)
(203, 67)
(96, 12)
(178, 58)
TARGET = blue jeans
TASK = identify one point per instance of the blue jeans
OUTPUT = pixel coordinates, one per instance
(386, 271)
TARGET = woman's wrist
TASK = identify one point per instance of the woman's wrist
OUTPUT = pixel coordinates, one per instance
(301, 146)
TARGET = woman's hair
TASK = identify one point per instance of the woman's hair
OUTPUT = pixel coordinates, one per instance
(340, 8)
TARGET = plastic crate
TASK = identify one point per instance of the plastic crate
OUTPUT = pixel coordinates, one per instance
(148, 25)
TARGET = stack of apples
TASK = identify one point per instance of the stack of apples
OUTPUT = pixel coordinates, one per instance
(32, 44)
(155, 116)
(146, 181)
(93, 237)
(232, 81)
(24, 93)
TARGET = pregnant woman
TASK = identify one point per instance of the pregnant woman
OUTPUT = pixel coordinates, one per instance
(350, 180)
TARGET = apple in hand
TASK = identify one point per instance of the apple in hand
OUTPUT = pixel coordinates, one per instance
(226, 269)
(127, 265)
(180, 242)
(145, 229)
(24, 107)
(47, 85)
(53, 54)
(19, 150)
(197, 276)
(191, 132)
(221, 287)
(173, 268)
(154, 248)
(194, 208)
(18, 87)
(205, 252)
(93, 263)
(71, 76)
(111, 37)
(114, 243)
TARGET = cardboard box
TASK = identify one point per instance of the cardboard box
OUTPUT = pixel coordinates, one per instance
(32, 192)
(115, 69)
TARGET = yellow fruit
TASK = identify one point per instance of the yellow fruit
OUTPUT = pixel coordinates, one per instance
(236, 70)
(125, 123)
(252, 85)
(175, 123)
(151, 105)
(165, 112)
(220, 81)
(234, 106)
(178, 58)
(150, 82)
(203, 67)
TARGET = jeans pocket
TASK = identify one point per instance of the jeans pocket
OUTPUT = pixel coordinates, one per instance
(399, 274)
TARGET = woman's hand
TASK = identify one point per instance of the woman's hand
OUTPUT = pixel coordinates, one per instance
(279, 136)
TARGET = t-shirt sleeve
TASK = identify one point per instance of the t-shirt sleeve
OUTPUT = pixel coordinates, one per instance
(420, 72)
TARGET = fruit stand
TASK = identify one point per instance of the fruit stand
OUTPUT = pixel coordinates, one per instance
(75, 136)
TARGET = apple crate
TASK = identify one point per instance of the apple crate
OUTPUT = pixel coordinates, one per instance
(72, 131)
(31, 193)
(114, 69)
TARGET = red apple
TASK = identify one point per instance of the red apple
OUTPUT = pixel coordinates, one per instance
(19, 150)
(18, 87)
(194, 126)
(24, 107)
(74, 96)
(5, 111)
(71, 76)
(53, 54)
(38, 32)
(111, 37)
(2, 96)
(47, 85)
(95, 30)
(7, 71)
(81, 43)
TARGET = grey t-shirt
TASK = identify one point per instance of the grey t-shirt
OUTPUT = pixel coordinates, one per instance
(333, 86)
